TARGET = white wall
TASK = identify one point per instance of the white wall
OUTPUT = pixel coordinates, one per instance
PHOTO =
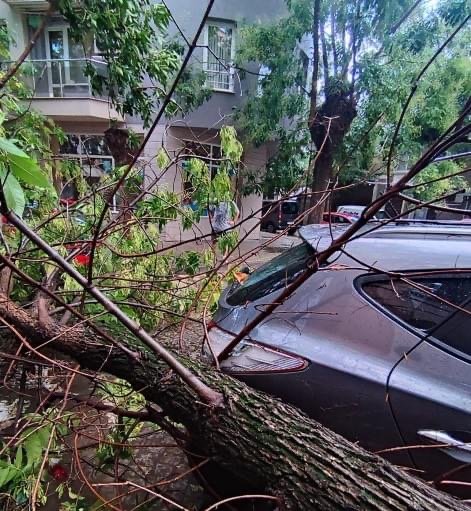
(171, 138)
(15, 27)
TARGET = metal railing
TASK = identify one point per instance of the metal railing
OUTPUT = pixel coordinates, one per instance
(219, 77)
(59, 78)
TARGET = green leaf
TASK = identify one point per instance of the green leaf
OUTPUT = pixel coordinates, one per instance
(28, 171)
(33, 447)
(162, 158)
(9, 147)
(13, 192)
(6, 475)
(19, 457)
(44, 433)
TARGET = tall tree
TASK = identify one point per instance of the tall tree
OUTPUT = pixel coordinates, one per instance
(319, 59)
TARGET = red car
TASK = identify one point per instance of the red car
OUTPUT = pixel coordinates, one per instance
(337, 218)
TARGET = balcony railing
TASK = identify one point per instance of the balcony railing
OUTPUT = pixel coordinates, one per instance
(219, 77)
(29, 4)
(60, 78)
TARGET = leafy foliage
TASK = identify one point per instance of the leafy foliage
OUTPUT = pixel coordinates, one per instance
(130, 36)
(438, 100)
(140, 60)
(369, 59)
(130, 265)
(23, 132)
(286, 88)
(20, 465)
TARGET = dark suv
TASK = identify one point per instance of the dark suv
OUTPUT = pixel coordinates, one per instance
(376, 345)
(278, 215)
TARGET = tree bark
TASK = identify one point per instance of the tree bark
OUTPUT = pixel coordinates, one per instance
(315, 63)
(332, 123)
(268, 443)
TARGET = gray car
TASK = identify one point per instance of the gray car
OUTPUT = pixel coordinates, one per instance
(376, 345)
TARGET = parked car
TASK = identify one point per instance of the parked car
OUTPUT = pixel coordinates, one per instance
(278, 215)
(381, 358)
(354, 212)
(337, 218)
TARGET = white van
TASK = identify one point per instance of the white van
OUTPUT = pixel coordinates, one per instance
(355, 212)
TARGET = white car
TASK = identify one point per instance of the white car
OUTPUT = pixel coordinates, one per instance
(354, 211)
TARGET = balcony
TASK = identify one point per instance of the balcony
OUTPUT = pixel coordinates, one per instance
(29, 4)
(61, 89)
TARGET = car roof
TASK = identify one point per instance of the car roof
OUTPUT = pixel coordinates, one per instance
(399, 247)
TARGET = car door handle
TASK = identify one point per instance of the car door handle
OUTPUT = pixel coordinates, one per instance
(455, 448)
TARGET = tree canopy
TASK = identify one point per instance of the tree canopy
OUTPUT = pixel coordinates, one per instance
(357, 72)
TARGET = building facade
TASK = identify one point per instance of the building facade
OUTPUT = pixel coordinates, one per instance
(63, 93)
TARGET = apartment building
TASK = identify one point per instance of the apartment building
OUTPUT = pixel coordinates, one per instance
(63, 93)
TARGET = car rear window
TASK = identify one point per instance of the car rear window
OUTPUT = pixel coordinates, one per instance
(289, 208)
(271, 276)
(437, 305)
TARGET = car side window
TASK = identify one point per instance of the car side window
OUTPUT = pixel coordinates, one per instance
(439, 306)
(455, 332)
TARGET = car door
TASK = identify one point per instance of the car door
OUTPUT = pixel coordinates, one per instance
(430, 388)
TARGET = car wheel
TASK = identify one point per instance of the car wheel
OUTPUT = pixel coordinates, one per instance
(270, 227)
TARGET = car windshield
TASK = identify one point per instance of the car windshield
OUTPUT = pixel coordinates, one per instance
(272, 276)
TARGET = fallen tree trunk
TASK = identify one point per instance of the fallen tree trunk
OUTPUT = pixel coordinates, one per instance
(269, 443)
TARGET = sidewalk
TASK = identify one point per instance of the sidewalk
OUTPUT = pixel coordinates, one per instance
(263, 249)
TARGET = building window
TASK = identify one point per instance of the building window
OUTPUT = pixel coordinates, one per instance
(304, 83)
(218, 56)
(92, 153)
(209, 153)
(263, 73)
(93, 156)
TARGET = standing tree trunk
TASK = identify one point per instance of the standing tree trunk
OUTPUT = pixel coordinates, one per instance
(329, 123)
(266, 442)
(328, 130)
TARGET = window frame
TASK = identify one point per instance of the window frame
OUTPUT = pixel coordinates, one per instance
(208, 160)
(305, 60)
(230, 72)
(422, 335)
(83, 156)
